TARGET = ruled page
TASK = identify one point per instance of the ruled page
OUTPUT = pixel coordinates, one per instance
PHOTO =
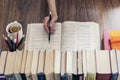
(80, 35)
(37, 37)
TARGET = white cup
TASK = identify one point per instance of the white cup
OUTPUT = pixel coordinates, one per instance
(14, 35)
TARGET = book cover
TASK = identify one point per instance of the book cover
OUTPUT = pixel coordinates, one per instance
(106, 40)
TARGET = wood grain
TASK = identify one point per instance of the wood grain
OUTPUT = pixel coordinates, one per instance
(105, 12)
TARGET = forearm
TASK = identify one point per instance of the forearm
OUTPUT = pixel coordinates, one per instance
(52, 7)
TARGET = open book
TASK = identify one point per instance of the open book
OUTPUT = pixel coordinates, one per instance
(69, 35)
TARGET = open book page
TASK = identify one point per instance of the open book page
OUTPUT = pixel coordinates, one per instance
(80, 35)
(37, 37)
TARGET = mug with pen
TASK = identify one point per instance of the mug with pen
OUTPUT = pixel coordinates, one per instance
(15, 36)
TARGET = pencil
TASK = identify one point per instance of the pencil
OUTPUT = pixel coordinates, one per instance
(21, 41)
(49, 34)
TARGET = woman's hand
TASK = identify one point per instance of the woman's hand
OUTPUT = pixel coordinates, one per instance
(51, 24)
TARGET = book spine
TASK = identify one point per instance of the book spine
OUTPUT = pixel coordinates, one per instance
(114, 76)
(2, 77)
(41, 76)
(17, 76)
(100, 76)
(23, 76)
(91, 76)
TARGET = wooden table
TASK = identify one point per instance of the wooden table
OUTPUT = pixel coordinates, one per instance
(105, 12)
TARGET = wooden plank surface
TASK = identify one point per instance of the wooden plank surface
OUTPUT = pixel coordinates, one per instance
(105, 12)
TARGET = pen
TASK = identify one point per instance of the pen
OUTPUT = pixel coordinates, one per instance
(12, 42)
(7, 41)
(21, 41)
(50, 17)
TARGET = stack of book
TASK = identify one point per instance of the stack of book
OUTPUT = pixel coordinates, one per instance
(60, 65)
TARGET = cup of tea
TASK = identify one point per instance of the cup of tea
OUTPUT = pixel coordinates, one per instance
(13, 29)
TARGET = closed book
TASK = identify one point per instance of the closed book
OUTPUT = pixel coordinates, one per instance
(2, 77)
(106, 40)
(91, 65)
(69, 66)
(23, 76)
(118, 63)
(91, 76)
(75, 75)
(57, 65)
(41, 66)
(80, 65)
(17, 76)
(63, 66)
(34, 66)
(10, 76)
(18, 61)
(115, 39)
(64, 77)
(49, 65)
(17, 65)
(28, 65)
(84, 65)
(102, 76)
(23, 65)
(9, 69)
(114, 67)
(103, 65)
(3, 57)
(41, 76)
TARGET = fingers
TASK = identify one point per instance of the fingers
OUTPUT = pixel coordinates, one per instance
(52, 23)
(46, 20)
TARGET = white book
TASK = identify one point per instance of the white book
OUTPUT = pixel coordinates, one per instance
(18, 61)
(3, 57)
(34, 66)
(23, 64)
(57, 62)
(103, 61)
(69, 64)
(41, 62)
(84, 64)
(9, 69)
(90, 61)
(63, 62)
(69, 35)
(29, 62)
(49, 65)
(91, 65)
(118, 62)
(80, 62)
(113, 61)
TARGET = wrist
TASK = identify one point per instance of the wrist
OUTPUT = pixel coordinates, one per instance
(54, 15)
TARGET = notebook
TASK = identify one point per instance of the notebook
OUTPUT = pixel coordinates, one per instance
(69, 35)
